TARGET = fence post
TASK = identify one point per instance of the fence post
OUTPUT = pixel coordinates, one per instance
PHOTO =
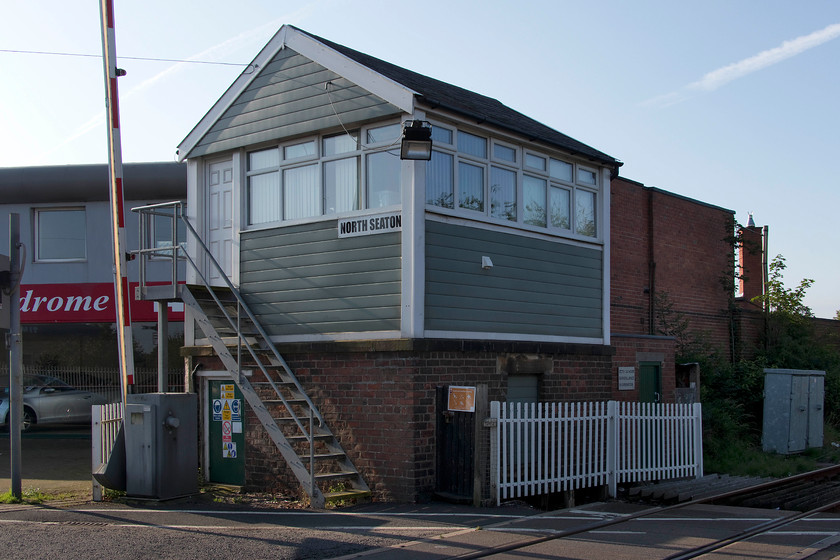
(96, 449)
(612, 448)
(698, 439)
(495, 413)
(481, 447)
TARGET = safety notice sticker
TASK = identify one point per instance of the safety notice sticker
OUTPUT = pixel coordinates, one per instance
(229, 450)
(217, 410)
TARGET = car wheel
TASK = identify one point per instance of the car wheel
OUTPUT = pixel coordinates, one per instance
(29, 419)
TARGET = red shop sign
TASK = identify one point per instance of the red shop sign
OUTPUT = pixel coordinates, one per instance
(84, 303)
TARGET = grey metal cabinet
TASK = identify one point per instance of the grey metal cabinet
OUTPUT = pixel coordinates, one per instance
(793, 410)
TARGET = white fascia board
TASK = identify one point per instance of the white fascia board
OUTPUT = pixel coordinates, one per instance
(232, 94)
(385, 88)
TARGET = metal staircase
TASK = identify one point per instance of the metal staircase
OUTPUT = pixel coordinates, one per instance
(288, 415)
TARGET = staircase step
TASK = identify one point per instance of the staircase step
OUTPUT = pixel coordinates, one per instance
(324, 456)
(351, 494)
(334, 475)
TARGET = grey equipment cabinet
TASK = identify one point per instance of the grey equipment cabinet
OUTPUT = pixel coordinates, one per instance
(161, 445)
(793, 410)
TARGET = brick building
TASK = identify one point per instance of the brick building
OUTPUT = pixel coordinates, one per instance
(357, 285)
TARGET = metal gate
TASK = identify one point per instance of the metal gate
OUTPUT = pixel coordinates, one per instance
(455, 451)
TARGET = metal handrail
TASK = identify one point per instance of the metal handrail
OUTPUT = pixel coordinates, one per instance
(179, 251)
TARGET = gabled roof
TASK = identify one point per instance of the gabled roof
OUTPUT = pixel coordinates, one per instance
(396, 85)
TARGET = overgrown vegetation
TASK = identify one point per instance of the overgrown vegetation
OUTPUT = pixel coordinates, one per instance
(28, 496)
(733, 393)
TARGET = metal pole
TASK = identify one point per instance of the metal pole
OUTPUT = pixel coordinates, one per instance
(112, 112)
(163, 345)
(15, 356)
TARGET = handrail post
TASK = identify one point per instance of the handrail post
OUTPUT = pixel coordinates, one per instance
(311, 452)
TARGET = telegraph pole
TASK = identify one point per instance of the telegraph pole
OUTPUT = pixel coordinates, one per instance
(115, 169)
(15, 356)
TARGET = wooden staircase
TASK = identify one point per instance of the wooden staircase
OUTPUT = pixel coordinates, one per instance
(277, 398)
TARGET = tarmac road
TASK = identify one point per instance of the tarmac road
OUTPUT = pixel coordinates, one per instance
(55, 460)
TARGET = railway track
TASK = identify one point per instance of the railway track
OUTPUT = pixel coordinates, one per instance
(802, 495)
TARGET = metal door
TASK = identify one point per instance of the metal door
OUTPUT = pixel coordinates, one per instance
(455, 451)
(219, 235)
(226, 438)
(650, 382)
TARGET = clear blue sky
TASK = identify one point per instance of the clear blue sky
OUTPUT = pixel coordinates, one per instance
(730, 102)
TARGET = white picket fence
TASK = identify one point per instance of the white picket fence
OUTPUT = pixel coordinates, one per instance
(105, 425)
(540, 448)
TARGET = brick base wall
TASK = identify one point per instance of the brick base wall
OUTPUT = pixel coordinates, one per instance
(379, 399)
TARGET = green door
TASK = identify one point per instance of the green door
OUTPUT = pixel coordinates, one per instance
(227, 433)
(650, 382)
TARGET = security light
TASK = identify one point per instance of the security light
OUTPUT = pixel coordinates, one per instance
(416, 141)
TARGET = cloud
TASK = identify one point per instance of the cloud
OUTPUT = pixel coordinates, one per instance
(722, 76)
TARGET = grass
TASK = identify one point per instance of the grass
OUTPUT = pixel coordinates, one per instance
(32, 496)
(741, 457)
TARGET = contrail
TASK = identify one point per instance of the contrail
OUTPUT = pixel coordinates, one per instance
(218, 50)
(722, 76)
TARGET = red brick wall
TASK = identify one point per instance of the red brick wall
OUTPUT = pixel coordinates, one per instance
(667, 244)
(381, 404)
(630, 351)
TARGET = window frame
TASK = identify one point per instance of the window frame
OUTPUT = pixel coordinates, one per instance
(361, 154)
(36, 222)
(571, 185)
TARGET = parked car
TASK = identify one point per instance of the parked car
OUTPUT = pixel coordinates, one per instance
(49, 400)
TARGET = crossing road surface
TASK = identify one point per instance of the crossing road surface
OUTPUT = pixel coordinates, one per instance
(378, 531)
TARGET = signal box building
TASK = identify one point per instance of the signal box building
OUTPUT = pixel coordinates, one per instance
(373, 281)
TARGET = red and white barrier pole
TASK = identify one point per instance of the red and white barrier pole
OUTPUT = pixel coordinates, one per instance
(115, 168)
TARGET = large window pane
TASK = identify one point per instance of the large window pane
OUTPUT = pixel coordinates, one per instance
(264, 198)
(560, 170)
(341, 185)
(502, 193)
(470, 187)
(439, 180)
(383, 179)
(302, 150)
(586, 177)
(440, 134)
(533, 197)
(301, 198)
(381, 134)
(537, 162)
(264, 159)
(559, 201)
(341, 143)
(472, 144)
(585, 213)
(62, 235)
(504, 153)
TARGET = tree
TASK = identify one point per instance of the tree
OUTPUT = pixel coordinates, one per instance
(782, 300)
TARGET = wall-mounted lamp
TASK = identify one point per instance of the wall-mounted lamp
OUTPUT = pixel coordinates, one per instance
(486, 263)
(416, 141)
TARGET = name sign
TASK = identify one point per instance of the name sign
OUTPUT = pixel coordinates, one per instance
(370, 225)
(626, 378)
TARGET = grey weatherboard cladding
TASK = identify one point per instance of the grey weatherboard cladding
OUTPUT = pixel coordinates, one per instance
(536, 287)
(288, 99)
(303, 279)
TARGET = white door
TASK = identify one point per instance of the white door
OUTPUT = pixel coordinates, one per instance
(220, 219)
